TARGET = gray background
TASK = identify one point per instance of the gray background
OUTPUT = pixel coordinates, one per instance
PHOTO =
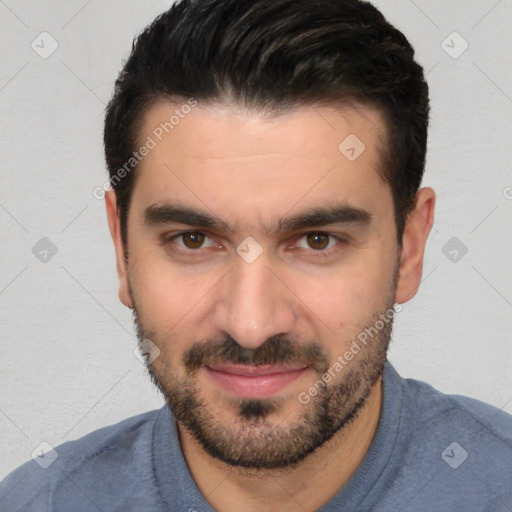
(67, 362)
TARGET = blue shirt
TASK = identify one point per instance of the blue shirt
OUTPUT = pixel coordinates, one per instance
(431, 452)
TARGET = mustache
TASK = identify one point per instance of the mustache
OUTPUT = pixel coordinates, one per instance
(277, 349)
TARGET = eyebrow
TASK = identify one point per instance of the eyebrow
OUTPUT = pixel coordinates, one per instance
(168, 213)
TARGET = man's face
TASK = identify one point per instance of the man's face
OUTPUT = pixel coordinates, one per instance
(250, 311)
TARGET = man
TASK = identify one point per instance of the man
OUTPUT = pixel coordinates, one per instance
(266, 159)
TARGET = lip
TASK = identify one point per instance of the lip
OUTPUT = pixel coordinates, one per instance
(254, 381)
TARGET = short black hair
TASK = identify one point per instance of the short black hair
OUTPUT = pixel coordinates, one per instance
(274, 55)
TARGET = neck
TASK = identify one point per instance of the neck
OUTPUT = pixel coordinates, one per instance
(308, 485)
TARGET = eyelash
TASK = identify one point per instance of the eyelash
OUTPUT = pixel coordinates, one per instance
(320, 253)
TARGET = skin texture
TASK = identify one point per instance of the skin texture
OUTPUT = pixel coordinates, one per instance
(201, 303)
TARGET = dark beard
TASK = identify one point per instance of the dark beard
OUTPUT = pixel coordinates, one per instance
(251, 441)
(259, 445)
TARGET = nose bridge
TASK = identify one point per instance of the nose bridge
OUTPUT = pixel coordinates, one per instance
(255, 305)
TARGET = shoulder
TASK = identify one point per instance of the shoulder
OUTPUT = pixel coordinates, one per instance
(461, 446)
(462, 414)
(449, 452)
(124, 447)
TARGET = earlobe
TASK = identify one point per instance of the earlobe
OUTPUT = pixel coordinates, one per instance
(114, 225)
(417, 229)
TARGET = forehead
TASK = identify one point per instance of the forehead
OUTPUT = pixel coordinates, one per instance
(318, 126)
(234, 160)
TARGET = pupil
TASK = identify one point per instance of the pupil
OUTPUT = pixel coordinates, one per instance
(193, 240)
(318, 241)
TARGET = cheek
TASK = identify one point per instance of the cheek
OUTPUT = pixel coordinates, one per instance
(170, 299)
(344, 299)
(166, 303)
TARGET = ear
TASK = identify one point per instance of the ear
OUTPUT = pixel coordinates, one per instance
(417, 229)
(114, 225)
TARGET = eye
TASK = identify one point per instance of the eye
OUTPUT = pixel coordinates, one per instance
(318, 241)
(191, 240)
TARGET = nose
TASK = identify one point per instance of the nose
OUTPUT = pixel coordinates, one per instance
(254, 304)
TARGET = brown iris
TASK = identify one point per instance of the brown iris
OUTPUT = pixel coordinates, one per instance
(318, 241)
(193, 240)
